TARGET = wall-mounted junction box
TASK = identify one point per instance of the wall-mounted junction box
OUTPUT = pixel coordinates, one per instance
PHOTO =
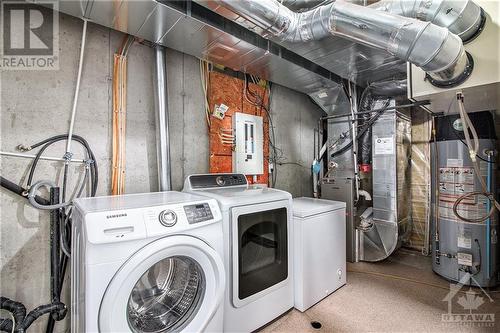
(481, 89)
(249, 144)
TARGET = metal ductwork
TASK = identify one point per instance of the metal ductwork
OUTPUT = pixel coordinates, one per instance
(435, 49)
(303, 5)
(464, 18)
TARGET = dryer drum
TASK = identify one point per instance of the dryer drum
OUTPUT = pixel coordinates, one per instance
(167, 296)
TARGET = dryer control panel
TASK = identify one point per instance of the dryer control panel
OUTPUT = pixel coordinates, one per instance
(215, 180)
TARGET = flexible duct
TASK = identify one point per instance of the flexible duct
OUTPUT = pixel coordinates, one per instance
(436, 50)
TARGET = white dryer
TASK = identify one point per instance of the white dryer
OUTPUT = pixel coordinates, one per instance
(147, 263)
(257, 225)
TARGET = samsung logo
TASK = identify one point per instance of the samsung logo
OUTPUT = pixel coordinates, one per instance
(114, 216)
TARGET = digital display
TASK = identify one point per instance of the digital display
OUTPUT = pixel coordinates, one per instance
(198, 213)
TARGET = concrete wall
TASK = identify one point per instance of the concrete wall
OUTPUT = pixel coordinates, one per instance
(37, 104)
(295, 118)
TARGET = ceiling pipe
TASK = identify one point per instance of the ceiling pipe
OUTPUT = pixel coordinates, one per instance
(161, 110)
(436, 50)
(464, 18)
(302, 5)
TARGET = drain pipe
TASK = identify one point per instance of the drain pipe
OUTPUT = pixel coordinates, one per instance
(161, 110)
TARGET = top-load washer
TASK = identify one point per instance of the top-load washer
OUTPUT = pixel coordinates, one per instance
(257, 226)
(147, 263)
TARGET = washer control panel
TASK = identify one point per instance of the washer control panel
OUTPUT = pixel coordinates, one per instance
(198, 213)
(167, 217)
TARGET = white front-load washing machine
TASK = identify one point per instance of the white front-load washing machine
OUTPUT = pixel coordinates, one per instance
(257, 226)
(147, 263)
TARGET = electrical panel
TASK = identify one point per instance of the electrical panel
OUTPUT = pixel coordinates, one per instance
(249, 144)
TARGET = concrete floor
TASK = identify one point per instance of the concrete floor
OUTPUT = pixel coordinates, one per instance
(370, 302)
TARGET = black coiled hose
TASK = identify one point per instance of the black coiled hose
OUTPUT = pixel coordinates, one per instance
(94, 175)
(57, 310)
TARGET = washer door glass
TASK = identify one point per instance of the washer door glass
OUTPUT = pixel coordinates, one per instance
(166, 296)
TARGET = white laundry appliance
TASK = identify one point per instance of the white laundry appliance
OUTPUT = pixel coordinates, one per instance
(147, 263)
(319, 249)
(257, 224)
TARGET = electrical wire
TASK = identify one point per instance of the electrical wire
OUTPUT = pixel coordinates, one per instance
(119, 113)
(205, 82)
(277, 153)
(366, 126)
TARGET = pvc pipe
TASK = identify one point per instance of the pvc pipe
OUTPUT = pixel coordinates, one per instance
(365, 194)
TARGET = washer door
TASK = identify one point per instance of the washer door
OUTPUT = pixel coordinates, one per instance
(172, 284)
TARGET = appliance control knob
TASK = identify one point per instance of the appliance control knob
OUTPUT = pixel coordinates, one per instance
(220, 181)
(168, 218)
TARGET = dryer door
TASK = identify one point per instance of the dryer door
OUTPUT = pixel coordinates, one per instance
(260, 250)
(173, 284)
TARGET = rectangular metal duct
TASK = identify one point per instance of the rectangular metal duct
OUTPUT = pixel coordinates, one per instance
(195, 30)
(391, 143)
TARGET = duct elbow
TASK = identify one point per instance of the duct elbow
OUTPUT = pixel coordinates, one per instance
(453, 75)
(442, 56)
(463, 18)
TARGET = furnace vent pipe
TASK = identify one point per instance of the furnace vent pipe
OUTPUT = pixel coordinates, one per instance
(161, 110)
(436, 50)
